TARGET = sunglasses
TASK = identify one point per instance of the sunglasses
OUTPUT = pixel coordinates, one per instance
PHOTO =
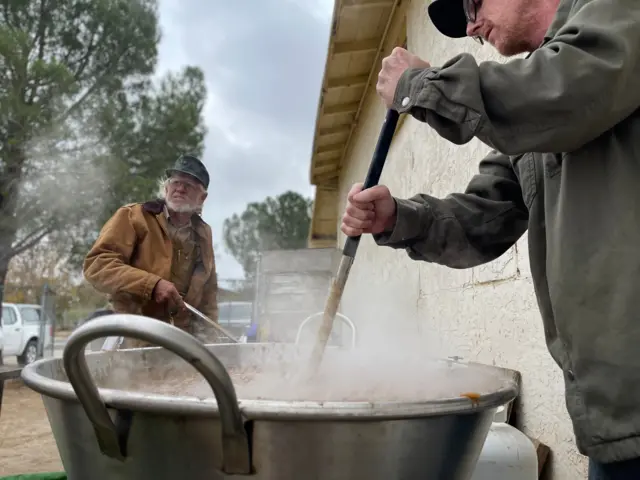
(471, 8)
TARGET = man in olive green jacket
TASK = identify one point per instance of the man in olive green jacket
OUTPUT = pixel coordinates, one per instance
(564, 127)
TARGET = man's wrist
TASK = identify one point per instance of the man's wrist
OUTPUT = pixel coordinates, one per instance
(411, 221)
(391, 223)
(155, 286)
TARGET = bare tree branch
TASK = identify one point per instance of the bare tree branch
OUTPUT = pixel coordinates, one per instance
(25, 244)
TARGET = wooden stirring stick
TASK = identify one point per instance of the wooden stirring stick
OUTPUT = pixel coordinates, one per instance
(351, 245)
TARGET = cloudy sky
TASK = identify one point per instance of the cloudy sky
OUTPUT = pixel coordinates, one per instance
(263, 62)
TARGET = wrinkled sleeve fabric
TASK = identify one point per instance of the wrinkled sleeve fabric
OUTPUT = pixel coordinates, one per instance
(568, 92)
(106, 266)
(467, 229)
(209, 304)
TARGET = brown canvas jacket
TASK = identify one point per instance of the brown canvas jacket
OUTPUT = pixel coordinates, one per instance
(133, 252)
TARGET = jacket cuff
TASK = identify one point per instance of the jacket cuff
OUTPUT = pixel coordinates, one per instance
(412, 221)
(407, 93)
(149, 285)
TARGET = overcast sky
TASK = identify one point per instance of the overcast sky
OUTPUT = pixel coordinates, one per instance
(263, 61)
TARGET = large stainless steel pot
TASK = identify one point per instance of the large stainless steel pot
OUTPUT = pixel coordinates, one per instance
(109, 434)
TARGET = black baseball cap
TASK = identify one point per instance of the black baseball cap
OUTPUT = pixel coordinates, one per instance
(191, 165)
(449, 18)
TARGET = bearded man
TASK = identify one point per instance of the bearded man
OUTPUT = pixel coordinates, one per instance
(564, 128)
(152, 257)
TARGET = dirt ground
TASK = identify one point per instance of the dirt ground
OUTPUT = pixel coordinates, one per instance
(26, 441)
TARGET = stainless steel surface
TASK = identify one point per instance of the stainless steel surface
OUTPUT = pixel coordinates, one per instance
(9, 372)
(112, 343)
(202, 316)
(165, 437)
(235, 445)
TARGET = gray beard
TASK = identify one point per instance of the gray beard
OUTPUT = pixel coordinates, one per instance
(183, 208)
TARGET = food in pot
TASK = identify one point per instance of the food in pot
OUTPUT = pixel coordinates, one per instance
(344, 377)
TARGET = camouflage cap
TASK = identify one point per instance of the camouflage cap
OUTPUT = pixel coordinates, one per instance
(191, 165)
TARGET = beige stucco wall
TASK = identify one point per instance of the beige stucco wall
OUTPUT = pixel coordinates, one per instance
(487, 314)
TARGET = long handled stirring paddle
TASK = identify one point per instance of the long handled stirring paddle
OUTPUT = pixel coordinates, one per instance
(351, 244)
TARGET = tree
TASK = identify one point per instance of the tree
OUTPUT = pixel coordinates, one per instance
(83, 128)
(275, 224)
(146, 136)
(30, 271)
(46, 263)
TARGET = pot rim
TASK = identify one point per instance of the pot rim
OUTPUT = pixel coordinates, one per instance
(275, 409)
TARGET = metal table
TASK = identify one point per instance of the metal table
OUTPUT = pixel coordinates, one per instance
(8, 372)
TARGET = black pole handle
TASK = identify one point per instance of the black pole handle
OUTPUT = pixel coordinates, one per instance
(375, 169)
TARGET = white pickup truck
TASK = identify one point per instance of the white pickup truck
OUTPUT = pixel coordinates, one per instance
(21, 331)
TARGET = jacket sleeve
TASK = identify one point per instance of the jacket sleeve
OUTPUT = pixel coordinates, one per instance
(467, 229)
(209, 305)
(106, 266)
(575, 87)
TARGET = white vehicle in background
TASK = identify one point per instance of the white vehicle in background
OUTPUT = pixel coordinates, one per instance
(21, 331)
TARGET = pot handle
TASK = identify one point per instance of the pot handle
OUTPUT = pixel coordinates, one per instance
(235, 442)
(342, 317)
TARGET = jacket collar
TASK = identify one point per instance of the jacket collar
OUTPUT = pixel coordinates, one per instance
(559, 20)
(156, 207)
(561, 17)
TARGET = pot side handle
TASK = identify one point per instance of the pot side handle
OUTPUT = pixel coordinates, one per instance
(235, 442)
